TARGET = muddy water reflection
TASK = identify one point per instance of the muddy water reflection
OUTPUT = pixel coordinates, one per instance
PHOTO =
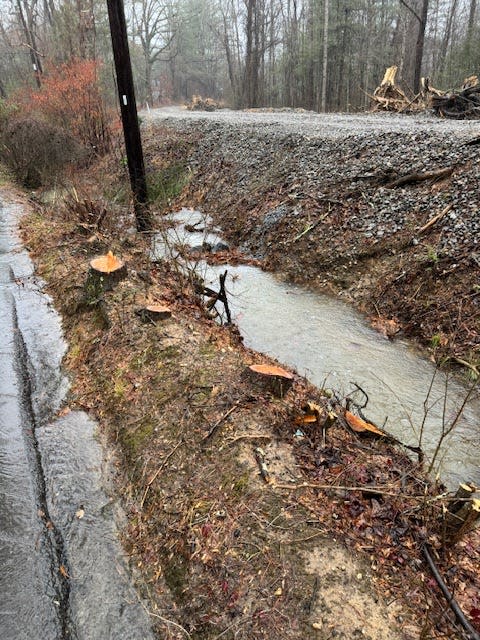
(325, 339)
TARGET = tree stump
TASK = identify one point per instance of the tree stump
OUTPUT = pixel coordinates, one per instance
(270, 378)
(153, 313)
(105, 272)
(463, 514)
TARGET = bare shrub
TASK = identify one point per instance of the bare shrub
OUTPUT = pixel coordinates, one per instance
(36, 151)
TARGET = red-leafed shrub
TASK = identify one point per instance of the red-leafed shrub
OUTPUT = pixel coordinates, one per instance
(70, 97)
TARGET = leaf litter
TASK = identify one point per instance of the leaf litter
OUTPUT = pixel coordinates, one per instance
(219, 552)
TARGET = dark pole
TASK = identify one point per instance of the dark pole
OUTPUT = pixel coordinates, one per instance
(128, 108)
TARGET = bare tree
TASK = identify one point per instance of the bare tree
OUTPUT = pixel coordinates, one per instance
(420, 43)
(325, 56)
(152, 22)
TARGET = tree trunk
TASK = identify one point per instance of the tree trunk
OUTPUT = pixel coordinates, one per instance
(249, 62)
(325, 57)
(31, 43)
(446, 36)
(419, 47)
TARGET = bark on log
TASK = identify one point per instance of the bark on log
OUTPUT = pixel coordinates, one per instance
(271, 378)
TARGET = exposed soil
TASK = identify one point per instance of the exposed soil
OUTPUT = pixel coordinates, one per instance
(330, 546)
(317, 199)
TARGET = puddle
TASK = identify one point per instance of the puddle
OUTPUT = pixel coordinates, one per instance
(63, 576)
(332, 345)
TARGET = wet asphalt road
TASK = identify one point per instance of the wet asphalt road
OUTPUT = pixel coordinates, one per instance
(63, 575)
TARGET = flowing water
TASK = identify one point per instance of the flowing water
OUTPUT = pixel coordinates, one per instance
(62, 571)
(333, 346)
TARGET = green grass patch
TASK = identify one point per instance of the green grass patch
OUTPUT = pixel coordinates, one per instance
(165, 185)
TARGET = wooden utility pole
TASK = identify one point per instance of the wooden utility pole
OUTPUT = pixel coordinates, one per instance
(128, 107)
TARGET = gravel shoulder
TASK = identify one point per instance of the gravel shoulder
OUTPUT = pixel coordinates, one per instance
(317, 198)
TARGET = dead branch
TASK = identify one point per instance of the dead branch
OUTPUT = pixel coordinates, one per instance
(472, 634)
(213, 430)
(438, 174)
(262, 465)
(160, 468)
(380, 490)
(435, 219)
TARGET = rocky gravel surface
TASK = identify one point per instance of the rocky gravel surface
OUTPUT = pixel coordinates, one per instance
(313, 195)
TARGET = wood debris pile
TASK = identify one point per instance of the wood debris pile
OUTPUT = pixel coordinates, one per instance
(197, 103)
(459, 105)
(389, 97)
(462, 105)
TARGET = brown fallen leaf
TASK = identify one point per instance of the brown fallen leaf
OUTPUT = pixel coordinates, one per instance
(63, 572)
(361, 426)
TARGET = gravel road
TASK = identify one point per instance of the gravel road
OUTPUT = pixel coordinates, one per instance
(325, 125)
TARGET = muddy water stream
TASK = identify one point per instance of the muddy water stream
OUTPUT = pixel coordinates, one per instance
(62, 571)
(333, 346)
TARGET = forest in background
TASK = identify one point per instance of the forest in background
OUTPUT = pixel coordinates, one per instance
(323, 55)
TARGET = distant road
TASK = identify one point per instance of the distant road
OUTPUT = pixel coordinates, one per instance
(326, 125)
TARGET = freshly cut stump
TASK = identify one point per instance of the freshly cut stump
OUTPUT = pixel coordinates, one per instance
(271, 378)
(108, 269)
(154, 312)
(463, 513)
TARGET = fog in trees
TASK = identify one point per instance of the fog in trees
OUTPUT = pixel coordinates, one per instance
(325, 55)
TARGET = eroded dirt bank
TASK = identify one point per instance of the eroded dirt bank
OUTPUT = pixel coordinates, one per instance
(325, 201)
(329, 547)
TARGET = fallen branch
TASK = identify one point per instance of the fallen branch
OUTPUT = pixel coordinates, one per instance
(420, 177)
(216, 296)
(262, 465)
(330, 487)
(472, 634)
(213, 430)
(167, 621)
(158, 471)
(467, 364)
(247, 436)
(472, 142)
(312, 226)
(222, 296)
(435, 219)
